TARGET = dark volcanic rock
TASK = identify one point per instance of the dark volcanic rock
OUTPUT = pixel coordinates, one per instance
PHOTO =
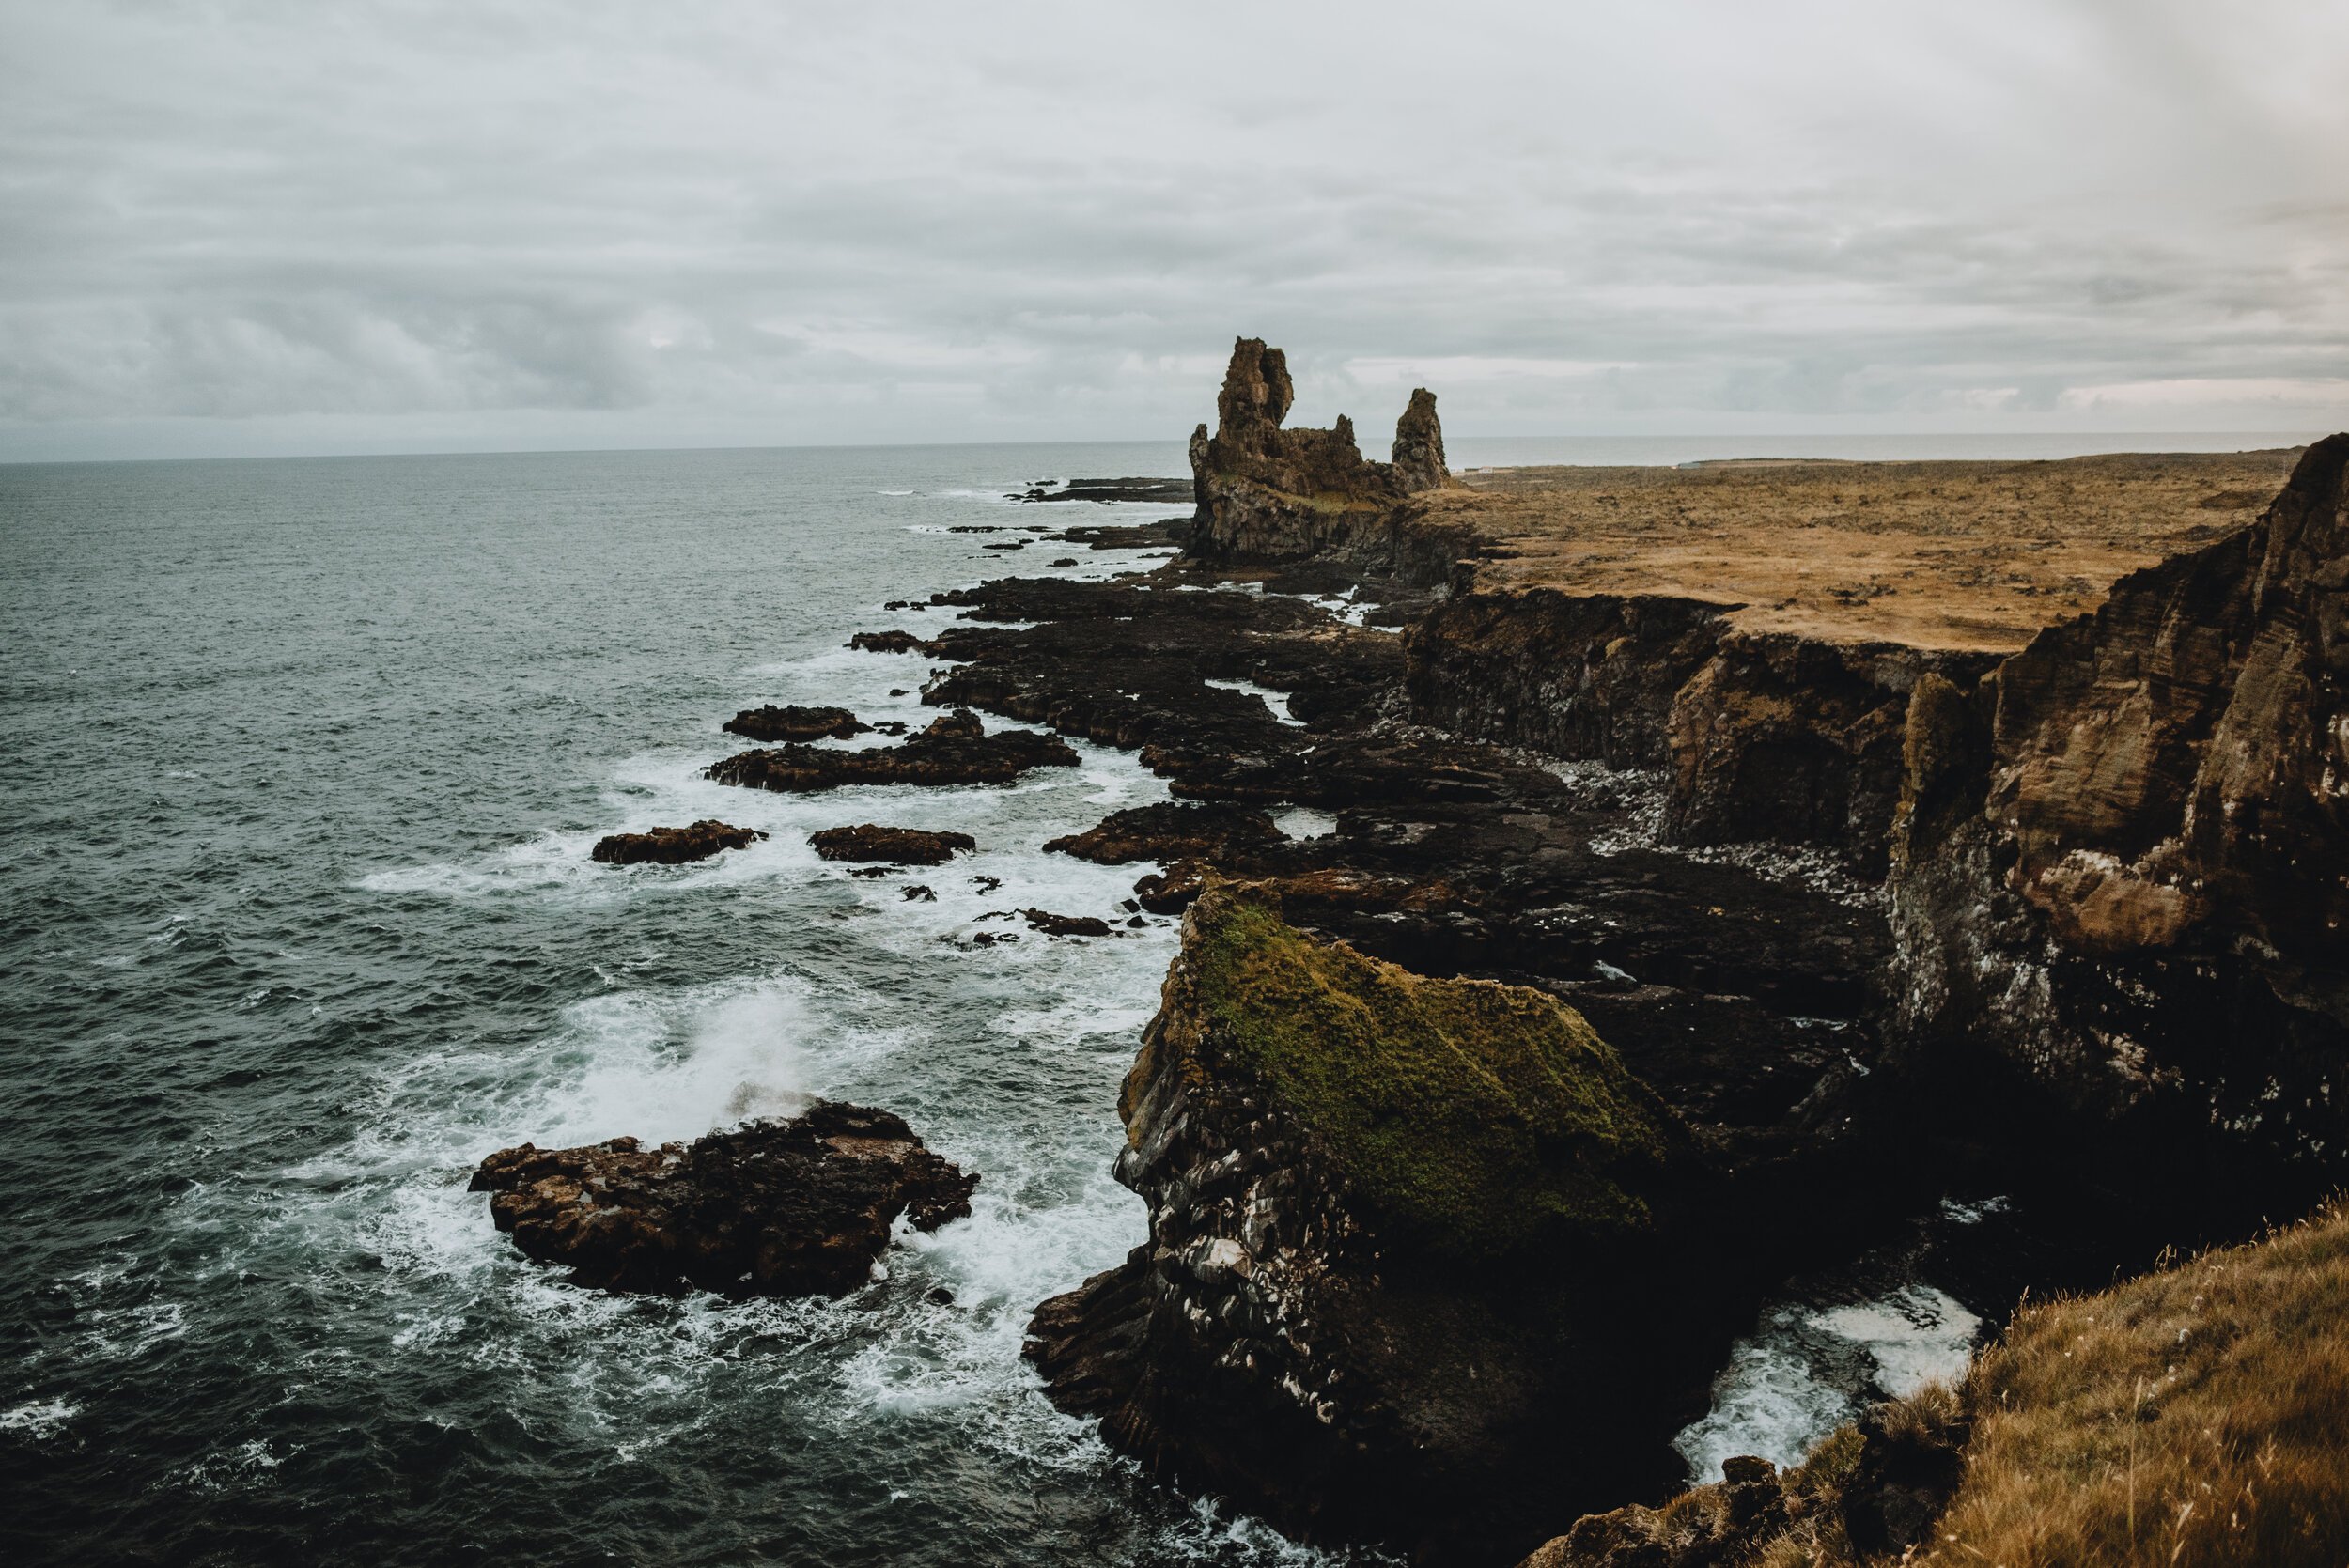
(1170, 831)
(1768, 737)
(1064, 926)
(955, 750)
(1178, 491)
(1882, 1483)
(888, 642)
(1408, 1277)
(794, 724)
(2120, 869)
(673, 846)
(799, 1207)
(899, 845)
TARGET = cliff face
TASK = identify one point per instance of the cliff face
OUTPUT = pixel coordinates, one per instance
(1265, 494)
(1402, 1282)
(2121, 864)
(1765, 734)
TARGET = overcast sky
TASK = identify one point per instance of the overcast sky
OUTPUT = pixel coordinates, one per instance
(498, 224)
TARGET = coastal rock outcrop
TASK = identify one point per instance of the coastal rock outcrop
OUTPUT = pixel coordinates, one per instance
(1051, 924)
(2120, 868)
(1267, 494)
(798, 1207)
(1410, 1276)
(1170, 831)
(897, 846)
(954, 750)
(794, 724)
(673, 845)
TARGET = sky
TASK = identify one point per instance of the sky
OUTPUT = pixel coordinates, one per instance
(248, 227)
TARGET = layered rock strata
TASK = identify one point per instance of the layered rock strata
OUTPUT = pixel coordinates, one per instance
(799, 1207)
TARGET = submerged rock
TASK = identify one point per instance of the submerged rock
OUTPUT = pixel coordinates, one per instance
(799, 1207)
(794, 724)
(1408, 1277)
(673, 846)
(899, 845)
(955, 750)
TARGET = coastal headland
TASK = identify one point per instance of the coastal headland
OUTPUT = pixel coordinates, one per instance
(1609, 893)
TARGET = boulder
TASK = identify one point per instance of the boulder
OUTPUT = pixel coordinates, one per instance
(673, 845)
(798, 1207)
(898, 845)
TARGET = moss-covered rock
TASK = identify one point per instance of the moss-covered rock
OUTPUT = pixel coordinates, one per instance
(1475, 1119)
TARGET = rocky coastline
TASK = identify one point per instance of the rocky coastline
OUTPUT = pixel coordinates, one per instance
(1563, 969)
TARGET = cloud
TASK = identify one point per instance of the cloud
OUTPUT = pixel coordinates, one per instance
(260, 225)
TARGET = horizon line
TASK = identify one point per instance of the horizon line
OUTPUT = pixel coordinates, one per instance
(2292, 442)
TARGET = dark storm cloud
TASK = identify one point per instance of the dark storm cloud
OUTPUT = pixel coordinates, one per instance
(244, 225)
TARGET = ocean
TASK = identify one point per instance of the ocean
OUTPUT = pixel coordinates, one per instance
(301, 762)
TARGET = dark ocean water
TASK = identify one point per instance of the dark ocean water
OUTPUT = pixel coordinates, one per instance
(303, 761)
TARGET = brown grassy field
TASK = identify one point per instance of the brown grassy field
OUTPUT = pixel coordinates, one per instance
(1940, 554)
(2193, 1418)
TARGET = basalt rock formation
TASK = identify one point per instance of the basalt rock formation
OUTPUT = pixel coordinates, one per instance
(1425, 1254)
(799, 1207)
(1265, 494)
(794, 724)
(897, 846)
(1168, 831)
(2121, 871)
(673, 846)
(955, 750)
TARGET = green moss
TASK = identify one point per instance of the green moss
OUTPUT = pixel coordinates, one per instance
(1480, 1118)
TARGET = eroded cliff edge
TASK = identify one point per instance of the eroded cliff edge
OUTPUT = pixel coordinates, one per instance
(1424, 1253)
(2121, 864)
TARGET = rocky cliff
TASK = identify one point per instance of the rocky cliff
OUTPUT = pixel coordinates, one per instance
(1267, 494)
(1765, 735)
(2120, 868)
(1428, 1264)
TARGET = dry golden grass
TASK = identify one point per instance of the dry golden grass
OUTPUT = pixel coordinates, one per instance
(2193, 1418)
(1952, 555)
